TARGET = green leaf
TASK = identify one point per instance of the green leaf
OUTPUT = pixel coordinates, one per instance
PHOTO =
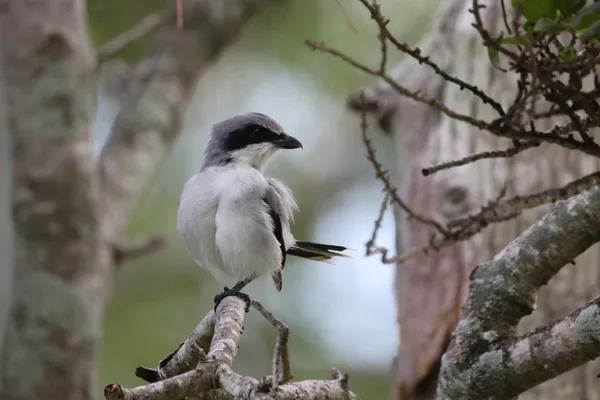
(511, 40)
(528, 26)
(567, 7)
(493, 53)
(533, 10)
(568, 54)
(593, 32)
(586, 17)
(550, 26)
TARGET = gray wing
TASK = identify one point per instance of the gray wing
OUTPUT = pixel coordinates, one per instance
(281, 206)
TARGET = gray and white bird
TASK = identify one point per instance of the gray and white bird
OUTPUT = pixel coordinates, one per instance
(234, 220)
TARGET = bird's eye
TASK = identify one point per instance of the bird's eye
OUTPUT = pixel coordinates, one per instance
(261, 134)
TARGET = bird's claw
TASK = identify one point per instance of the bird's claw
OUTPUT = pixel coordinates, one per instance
(265, 384)
(227, 292)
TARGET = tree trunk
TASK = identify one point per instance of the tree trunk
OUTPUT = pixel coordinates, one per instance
(431, 288)
(59, 261)
(5, 217)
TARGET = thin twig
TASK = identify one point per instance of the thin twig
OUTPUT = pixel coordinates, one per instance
(400, 89)
(510, 152)
(179, 6)
(504, 209)
(383, 176)
(131, 251)
(370, 245)
(115, 46)
(505, 17)
(339, 3)
(382, 22)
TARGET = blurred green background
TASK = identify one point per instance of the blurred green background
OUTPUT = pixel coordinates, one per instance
(340, 315)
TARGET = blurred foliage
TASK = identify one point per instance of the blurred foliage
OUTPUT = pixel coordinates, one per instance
(155, 302)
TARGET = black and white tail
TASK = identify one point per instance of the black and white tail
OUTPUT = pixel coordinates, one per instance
(310, 251)
(316, 251)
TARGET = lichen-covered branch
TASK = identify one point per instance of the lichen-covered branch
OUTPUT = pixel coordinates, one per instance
(156, 98)
(485, 360)
(192, 372)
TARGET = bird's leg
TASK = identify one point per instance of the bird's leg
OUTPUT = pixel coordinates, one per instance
(235, 291)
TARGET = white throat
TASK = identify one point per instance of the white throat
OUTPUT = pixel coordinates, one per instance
(256, 155)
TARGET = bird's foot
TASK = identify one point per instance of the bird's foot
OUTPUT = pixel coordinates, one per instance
(265, 384)
(229, 292)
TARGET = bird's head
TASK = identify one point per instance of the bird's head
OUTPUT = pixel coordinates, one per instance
(249, 139)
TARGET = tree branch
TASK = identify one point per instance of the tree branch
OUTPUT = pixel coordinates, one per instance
(158, 91)
(143, 28)
(130, 251)
(485, 360)
(190, 372)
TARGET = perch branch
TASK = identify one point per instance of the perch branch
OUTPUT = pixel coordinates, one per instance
(191, 371)
(186, 356)
(485, 360)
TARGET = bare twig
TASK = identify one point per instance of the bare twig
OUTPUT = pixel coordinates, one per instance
(502, 210)
(339, 3)
(179, 5)
(371, 247)
(498, 127)
(536, 79)
(400, 89)
(130, 251)
(510, 152)
(143, 28)
(383, 176)
(384, 34)
(505, 17)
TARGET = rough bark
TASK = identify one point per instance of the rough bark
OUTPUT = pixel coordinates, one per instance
(485, 360)
(430, 289)
(59, 260)
(5, 215)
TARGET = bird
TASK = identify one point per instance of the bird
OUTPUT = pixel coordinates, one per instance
(234, 220)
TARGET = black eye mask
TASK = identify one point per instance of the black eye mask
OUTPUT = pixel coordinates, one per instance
(248, 135)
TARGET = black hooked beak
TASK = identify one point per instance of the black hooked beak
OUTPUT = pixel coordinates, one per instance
(287, 142)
